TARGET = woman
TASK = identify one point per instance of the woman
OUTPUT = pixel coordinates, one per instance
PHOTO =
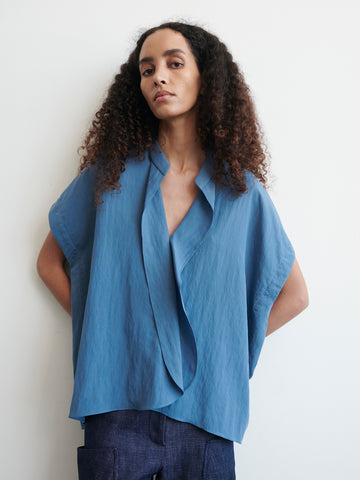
(179, 264)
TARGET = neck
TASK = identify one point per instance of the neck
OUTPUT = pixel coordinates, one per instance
(181, 144)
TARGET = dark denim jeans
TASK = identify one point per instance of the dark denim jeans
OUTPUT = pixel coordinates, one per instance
(147, 445)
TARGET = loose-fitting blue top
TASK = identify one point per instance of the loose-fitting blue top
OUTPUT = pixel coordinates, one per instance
(174, 324)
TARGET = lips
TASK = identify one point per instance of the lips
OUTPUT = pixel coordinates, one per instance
(161, 93)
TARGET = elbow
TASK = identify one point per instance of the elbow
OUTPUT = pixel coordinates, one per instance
(40, 267)
(43, 266)
(49, 258)
(303, 299)
(298, 299)
(295, 289)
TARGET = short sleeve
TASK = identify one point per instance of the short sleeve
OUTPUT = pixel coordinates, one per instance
(270, 257)
(70, 216)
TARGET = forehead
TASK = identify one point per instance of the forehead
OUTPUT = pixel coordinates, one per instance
(161, 40)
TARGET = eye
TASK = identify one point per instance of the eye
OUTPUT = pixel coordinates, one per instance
(144, 72)
(177, 63)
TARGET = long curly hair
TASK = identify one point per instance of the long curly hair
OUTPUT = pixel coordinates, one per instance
(227, 122)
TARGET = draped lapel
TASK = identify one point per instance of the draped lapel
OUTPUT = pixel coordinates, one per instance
(165, 259)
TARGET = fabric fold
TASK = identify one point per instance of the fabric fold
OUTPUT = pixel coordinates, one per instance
(164, 260)
(160, 280)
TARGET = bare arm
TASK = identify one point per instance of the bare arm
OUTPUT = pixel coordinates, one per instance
(292, 299)
(50, 267)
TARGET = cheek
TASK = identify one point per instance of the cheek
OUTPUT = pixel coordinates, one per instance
(143, 89)
(192, 86)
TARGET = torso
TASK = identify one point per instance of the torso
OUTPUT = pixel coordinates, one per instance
(179, 192)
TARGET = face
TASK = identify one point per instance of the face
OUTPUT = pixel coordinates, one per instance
(166, 63)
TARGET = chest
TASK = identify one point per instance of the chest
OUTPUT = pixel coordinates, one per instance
(178, 193)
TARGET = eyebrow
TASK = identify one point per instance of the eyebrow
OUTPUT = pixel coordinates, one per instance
(165, 54)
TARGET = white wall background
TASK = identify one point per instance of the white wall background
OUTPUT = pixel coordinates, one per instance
(301, 60)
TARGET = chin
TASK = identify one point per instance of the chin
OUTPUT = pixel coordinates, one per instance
(167, 115)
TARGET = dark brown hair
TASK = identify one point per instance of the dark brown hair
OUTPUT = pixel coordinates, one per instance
(227, 120)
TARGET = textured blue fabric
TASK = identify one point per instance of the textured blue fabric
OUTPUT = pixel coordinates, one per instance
(174, 325)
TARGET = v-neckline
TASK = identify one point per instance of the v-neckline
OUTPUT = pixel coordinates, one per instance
(184, 217)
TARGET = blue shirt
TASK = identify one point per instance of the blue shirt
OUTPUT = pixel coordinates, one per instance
(174, 325)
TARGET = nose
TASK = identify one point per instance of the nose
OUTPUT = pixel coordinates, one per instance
(159, 77)
(161, 81)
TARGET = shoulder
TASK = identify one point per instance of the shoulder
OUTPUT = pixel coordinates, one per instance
(256, 190)
(253, 183)
(84, 183)
(83, 179)
(254, 194)
(77, 194)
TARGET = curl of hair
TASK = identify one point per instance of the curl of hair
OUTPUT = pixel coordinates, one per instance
(227, 119)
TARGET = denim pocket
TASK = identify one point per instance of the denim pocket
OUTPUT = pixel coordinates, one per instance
(219, 460)
(97, 463)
